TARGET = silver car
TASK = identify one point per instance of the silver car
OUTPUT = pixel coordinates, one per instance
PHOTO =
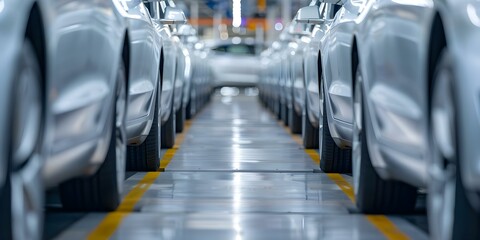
(201, 79)
(63, 102)
(283, 68)
(316, 122)
(163, 17)
(234, 63)
(416, 111)
(179, 73)
(333, 101)
(296, 83)
(188, 38)
(145, 46)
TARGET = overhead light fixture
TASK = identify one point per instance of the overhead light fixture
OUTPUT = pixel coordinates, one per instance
(237, 13)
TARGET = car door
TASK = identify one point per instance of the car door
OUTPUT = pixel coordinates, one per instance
(395, 79)
(84, 40)
(144, 60)
(337, 61)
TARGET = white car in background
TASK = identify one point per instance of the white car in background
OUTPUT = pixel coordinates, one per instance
(234, 62)
(416, 111)
(63, 105)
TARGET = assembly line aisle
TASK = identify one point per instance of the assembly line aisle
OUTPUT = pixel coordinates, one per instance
(238, 174)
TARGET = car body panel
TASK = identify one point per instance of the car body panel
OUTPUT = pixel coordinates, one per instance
(337, 70)
(395, 86)
(81, 83)
(169, 52)
(313, 57)
(145, 47)
(297, 65)
(80, 79)
(179, 74)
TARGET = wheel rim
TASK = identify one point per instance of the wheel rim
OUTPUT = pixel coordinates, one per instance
(27, 190)
(357, 132)
(120, 133)
(322, 112)
(443, 172)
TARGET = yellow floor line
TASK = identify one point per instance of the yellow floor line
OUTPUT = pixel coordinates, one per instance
(380, 222)
(112, 221)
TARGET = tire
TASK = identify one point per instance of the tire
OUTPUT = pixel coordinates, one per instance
(188, 110)
(102, 191)
(450, 213)
(168, 130)
(180, 119)
(22, 195)
(146, 156)
(285, 114)
(278, 109)
(333, 158)
(373, 194)
(295, 121)
(309, 132)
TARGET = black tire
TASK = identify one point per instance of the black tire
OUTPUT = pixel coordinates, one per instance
(466, 219)
(146, 156)
(188, 110)
(333, 158)
(101, 191)
(375, 195)
(168, 130)
(295, 121)
(309, 132)
(285, 114)
(180, 119)
(6, 209)
(278, 109)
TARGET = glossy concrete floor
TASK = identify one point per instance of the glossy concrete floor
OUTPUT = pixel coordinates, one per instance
(238, 174)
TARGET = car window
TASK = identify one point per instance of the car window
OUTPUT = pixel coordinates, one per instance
(336, 8)
(237, 49)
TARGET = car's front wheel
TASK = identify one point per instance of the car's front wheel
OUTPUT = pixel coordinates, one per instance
(180, 119)
(168, 130)
(21, 198)
(333, 158)
(450, 214)
(146, 156)
(309, 132)
(373, 194)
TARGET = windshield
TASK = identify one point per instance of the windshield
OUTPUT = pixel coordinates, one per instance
(237, 49)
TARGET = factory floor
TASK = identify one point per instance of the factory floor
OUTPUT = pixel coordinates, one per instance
(235, 173)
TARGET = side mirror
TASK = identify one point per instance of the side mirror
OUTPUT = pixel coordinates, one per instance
(310, 14)
(298, 29)
(173, 16)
